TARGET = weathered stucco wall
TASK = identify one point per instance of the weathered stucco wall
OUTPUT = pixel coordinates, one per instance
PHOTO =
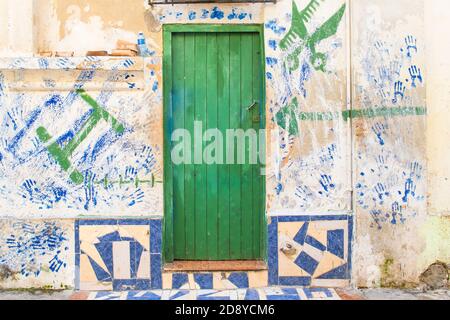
(347, 84)
(437, 228)
(388, 69)
(16, 38)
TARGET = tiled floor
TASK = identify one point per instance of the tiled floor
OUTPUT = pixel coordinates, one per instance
(272, 293)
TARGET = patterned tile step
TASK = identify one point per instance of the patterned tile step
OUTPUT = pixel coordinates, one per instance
(272, 293)
(214, 280)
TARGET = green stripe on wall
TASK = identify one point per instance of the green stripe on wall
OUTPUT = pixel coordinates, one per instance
(363, 113)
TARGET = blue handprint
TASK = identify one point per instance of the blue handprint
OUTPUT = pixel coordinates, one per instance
(146, 159)
(303, 193)
(381, 191)
(381, 162)
(415, 74)
(411, 45)
(326, 183)
(376, 216)
(395, 68)
(410, 189)
(130, 172)
(379, 129)
(384, 73)
(399, 91)
(90, 192)
(30, 187)
(381, 46)
(415, 170)
(397, 213)
(136, 197)
(382, 93)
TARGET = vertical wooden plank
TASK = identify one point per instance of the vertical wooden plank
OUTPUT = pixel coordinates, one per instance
(200, 169)
(235, 123)
(168, 190)
(258, 179)
(212, 169)
(189, 190)
(223, 105)
(247, 192)
(178, 94)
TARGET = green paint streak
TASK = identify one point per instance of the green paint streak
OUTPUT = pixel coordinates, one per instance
(384, 112)
(287, 118)
(299, 31)
(62, 155)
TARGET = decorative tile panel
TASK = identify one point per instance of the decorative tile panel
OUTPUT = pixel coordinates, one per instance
(310, 250)
(274, 293)
(118, 254)
(215, 280)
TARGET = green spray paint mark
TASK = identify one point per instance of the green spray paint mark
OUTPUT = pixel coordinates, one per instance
(298, 31)
(384, 112)
(121, 182)
(62, 155)
(289, 114)
(287, 119)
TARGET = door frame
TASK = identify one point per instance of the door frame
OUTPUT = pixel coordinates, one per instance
(168, 30)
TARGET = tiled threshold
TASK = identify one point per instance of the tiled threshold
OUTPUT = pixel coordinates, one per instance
(272, 293)
(232, 265)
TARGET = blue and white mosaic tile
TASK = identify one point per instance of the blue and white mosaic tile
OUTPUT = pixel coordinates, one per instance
(310, 251)
(215, 280)
(274, 293)
(118, 255)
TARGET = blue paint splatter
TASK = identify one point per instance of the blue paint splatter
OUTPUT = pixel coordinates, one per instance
(273, 44)
(279, 188)
(242, 15)
(155, 86)
(216, 13)
(54, 101)
(192, 15)
(2, 85)
(272, 25)
(205, 14)
(232, 15)
(271, 61)
(305, 75)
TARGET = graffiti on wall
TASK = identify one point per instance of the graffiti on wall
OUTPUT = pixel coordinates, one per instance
(62, 155)
(29, 248)
(302, 66)
(94, 155)
(390, 184)
(299, 38)
(211, 13)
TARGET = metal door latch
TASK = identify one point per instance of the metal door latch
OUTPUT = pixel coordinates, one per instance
(252, 105)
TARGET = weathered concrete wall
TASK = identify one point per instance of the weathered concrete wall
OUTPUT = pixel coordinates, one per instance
(16, 38)
(437, 228)
(388, 51)
(328, 169)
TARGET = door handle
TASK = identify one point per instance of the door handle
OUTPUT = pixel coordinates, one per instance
(252, 105)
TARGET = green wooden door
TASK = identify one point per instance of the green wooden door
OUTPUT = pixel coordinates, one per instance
(216, 210)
